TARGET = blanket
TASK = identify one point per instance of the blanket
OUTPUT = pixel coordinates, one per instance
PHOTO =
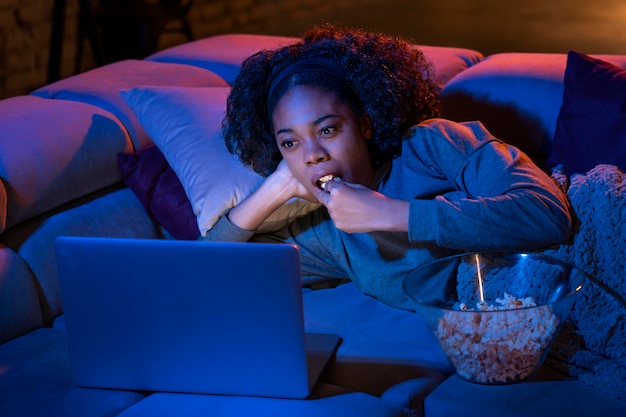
(592, 343)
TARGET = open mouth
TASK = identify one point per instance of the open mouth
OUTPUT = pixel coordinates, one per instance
(321, 183)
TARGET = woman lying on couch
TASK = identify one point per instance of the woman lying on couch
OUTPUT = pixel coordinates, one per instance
(349, 119)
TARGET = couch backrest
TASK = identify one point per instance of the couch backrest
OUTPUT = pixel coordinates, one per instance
(516, 95)
(101, 87)
(54, 151)
(224, 54)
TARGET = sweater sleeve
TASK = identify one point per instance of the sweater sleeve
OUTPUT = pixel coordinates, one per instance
(322, 254)
(226, 231)
(498, 199)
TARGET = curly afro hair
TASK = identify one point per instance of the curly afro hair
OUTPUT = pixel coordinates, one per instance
(387, 79)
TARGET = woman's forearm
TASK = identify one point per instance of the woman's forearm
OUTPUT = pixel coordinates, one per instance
(257, 207)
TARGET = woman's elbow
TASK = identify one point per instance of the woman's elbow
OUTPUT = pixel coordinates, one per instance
(558, 227)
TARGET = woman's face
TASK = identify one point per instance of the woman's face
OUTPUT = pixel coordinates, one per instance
(319, 136)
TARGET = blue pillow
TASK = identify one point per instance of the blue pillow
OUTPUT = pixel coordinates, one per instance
(591, 126)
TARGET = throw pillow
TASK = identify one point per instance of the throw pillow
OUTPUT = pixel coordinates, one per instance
(186, 125)
(3, 206)
(591, 126)
(155, 184)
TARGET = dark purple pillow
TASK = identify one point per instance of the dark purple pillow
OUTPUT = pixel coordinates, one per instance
(155, 184)
(591, 126)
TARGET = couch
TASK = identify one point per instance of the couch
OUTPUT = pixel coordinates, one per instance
(100, 154)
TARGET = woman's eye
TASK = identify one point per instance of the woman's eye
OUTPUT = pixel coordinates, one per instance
(287, 143)
(327, 131)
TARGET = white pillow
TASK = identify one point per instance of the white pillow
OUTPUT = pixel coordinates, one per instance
(185, 123)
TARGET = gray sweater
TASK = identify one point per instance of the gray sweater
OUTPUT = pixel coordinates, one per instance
(468, 191)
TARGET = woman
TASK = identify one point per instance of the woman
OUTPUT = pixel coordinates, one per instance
(349, 119)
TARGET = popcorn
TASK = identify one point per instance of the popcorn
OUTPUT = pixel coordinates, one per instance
(321, 183)
(497, 343)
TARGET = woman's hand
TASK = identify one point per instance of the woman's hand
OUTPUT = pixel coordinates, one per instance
(273, 192)
(286, 184)
(355, 208)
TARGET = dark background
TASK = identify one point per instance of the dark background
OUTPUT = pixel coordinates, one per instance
(491, 26)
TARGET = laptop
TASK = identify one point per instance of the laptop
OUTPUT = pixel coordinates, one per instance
(185, 316)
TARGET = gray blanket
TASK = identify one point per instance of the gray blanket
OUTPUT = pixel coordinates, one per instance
(592, 344)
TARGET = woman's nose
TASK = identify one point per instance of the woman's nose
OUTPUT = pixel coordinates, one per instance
(315, 153)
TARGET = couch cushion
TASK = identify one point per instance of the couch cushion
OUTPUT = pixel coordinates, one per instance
(101, 87)
(54, 151)
(19, 303)
(449, 61)
(36, 380)
(186, 125)
(591, 127)
(516, 95)
(224, 54)
(384, 351)
(118, 214)
(546, 395)
(334, 403)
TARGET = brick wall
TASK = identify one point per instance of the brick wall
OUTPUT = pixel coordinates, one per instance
(25, 28)
(24, 41)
